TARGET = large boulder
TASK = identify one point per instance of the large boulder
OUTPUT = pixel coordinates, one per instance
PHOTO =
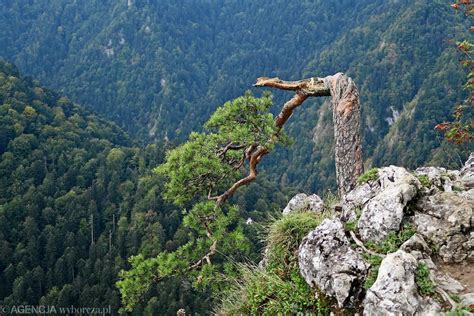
(395, 291)
(326, 260)
(303, 202)
(384, 212)
(446, 220)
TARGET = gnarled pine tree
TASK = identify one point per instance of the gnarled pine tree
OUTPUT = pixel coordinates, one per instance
(212, 165)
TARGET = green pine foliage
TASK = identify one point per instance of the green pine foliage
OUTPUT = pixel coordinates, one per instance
(76, 200)
(204, 165)
(201, 165)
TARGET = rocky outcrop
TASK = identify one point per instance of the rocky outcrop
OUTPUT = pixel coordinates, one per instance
(303, 202)
(326, 260)
(381, 202)
(445, 220)
(395, 291)
(466, 174)
(437, 204)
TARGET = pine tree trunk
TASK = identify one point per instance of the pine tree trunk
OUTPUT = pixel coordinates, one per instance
(346, 119)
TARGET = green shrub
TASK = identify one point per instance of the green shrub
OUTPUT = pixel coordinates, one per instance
(279, 288)
(393, 241)
(261, 292)
(424, 180)
(422, 279)
(330, 200)
(390, 244)
(369, 175)
(375, 262)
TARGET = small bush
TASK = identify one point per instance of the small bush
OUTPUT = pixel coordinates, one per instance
(422, 279)
(261, 292)
(330, 200)
(369, 175)
(375, 262)
(424, 180)
(289, 230)
(393, 241)
(279, 288)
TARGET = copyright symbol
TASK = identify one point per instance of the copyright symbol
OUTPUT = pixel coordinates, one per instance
(3, 309)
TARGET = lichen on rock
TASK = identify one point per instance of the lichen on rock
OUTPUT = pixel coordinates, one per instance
(303, 202)
(395, 291)
(327, 261)
(438, 204)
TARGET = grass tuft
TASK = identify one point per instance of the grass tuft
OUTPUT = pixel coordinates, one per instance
(279, 288)
(424, 180)
(369, 175)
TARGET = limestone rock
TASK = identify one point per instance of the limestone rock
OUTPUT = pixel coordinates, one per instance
(467, 173)
(384, 212)
(395, 291)
(445, 220)
(417, 247)
(327, 260)
(357, 198)
(468, 195)
(303, 202)
(447, 283)
(467, 299)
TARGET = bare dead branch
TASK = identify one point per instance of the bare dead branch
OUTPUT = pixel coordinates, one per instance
(346, 119)
(312, 86)
(361, 245)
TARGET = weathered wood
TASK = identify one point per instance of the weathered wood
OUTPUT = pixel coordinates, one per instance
(346, 118)
(311, 87)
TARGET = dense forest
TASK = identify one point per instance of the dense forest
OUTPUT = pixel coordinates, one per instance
(77, 198)
(159, 69)
(132, 79)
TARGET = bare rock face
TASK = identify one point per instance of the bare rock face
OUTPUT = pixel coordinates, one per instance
(303, 202)
(419, 249)
(395, 291)
(357, 198)
(326, 260)
(384, 212)
(446, 220)
(467, 173)
(442, 213)
(416, 246)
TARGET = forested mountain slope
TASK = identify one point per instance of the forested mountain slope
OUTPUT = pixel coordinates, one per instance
(76, 201)
(159, 68)
(78, 198)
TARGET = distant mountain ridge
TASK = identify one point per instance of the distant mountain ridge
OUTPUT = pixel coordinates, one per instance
(158, 69)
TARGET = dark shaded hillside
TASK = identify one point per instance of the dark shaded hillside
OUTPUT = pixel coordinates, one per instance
(409, 78)
(76, 201)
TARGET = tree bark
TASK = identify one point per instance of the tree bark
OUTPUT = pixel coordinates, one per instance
(346, 119)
